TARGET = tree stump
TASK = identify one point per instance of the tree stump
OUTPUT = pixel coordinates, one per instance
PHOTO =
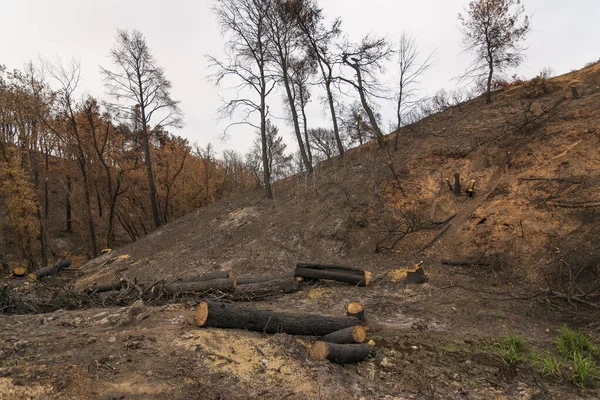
(355, 309)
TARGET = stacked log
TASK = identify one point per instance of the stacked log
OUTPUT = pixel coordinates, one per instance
(339, 273)
(353, 334)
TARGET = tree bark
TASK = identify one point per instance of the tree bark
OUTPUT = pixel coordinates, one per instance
(221, 315)
(341, 353)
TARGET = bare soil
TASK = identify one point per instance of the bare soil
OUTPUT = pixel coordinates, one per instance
(533, 218)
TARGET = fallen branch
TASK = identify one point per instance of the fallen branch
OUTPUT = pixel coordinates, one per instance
(463, 263)
(580, 204)
(231, 360)
(439, 235)
(52, 270)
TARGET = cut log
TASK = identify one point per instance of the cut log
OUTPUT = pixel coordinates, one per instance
(325, 267)
(355, 309)
(19, 271)
(341, 353)
(417, 276)
(221, 315)
(104, 287)
(201, 286)
(341, 276)
(265, 278)
(52, 269)
(353, 334)
(261, 290)
(208, 276)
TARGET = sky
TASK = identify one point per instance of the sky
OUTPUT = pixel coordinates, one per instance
(565, 36)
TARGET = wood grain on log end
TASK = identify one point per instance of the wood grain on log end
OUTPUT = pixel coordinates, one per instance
(201, 314)
(319, 351)
(367, 278)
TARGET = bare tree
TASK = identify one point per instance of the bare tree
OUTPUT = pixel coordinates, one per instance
(356, 124)
(284, 38)
(367, 60)
(67, 128)
(493, 30)
(280, 163)
(323, 141)
(410, 69)
(142, 93)
(318, 39)
(246, 24)
(302, 70)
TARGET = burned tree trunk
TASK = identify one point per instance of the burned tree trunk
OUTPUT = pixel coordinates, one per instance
(334, 268)
(105, 287)
(353, 334)
(358, 278)
(52, 269)
(341, 353)
(457, 184)
(201, 286)
(253, 291)
(208, 276)
(266, 278)
(221, 315)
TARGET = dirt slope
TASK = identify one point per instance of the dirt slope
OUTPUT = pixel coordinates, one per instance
(534, 209)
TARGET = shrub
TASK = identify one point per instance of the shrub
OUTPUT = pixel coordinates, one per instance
(540, 85)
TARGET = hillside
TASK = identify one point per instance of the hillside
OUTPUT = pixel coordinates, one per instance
(531, 225)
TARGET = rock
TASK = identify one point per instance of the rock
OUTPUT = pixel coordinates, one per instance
(112, 339)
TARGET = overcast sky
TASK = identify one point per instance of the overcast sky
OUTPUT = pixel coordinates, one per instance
(565, 36)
